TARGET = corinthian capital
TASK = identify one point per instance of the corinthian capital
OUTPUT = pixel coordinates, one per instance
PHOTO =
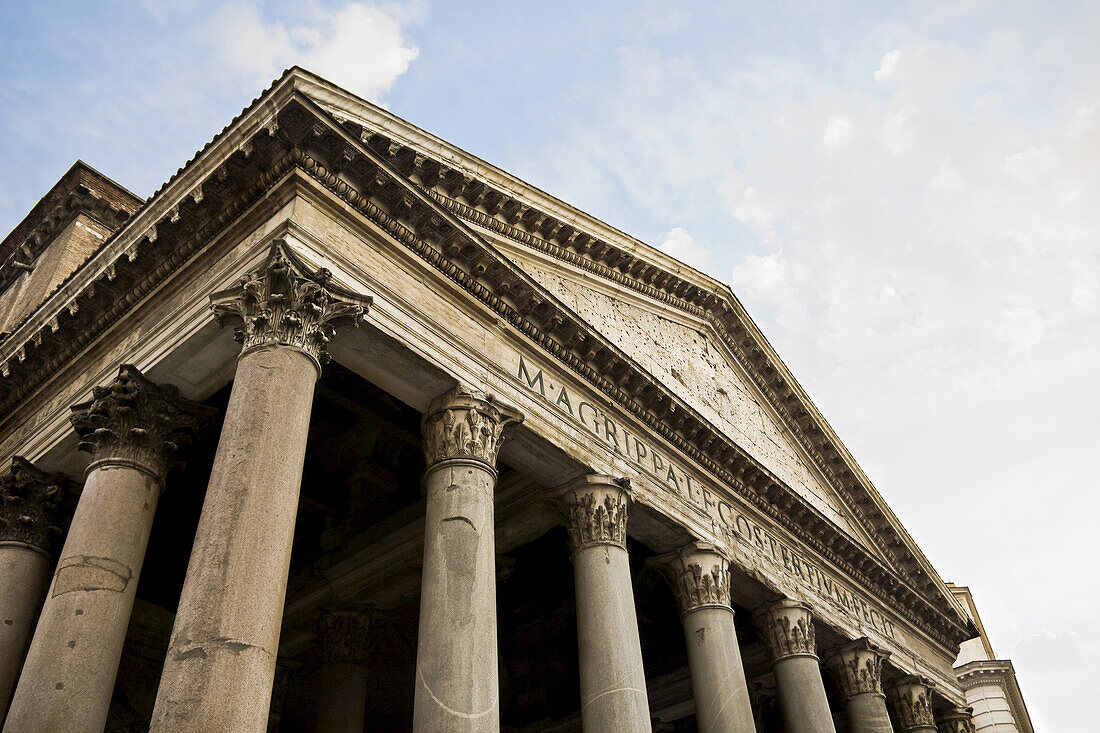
(284, 303)
(465, 423)
(33, 505)
(956, 720)
(788, 629)
(856, 667)
(910, 701)
(595, 510)
(135, 421)
(699, 575)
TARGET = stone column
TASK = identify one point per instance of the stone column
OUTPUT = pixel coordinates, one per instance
(909, 699)
(132, 428)
(787, 628)
(700, 579)
(346, 642)
(220, 665)
(457, 686)
(33, 505)
(956, 720)
(856, 667)
(613, 687)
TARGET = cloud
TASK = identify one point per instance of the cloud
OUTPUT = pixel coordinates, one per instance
(679, 244)
(359, 46)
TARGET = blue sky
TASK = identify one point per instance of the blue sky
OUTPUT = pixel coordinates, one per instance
(905, 195)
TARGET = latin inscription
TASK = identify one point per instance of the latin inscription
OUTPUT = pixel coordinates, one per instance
(669, 473)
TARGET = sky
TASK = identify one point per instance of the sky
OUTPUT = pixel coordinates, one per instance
(905, 196)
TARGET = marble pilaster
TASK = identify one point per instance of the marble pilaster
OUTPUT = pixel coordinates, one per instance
(613, 685)
(132, 428)
(787, 628)
(700, 579)
(856, 668)
(909, 700)
(221, 660)
(33, 513)
(457, 685)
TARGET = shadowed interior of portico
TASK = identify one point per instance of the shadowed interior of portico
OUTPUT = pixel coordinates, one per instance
(358, 544)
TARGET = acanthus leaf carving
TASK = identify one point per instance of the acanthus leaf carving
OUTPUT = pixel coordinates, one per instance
(956, 720)
(284, 303)
(135, 420)
(34, 505)
(910, 701)
(595, 512)
(787, 628)
(699, 576)
(465, 423)
(856, 667)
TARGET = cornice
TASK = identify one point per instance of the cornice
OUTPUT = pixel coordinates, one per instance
(507, 215)
(299, 136)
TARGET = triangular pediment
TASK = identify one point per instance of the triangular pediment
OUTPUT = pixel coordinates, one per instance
(470, 221)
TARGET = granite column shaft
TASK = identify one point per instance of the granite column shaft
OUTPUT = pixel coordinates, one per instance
(457, 685)
(612, 678)
(131, 428)
(788, 631)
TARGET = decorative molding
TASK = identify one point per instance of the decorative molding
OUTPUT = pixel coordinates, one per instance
(348, 636)
(787, 629)
(595, 510)
(956, 720)
(466, 423)
(910, 701)
(856, 667)
(699, 575)
(283, 303)
(34, 506)
(369, 184)
(138, 422)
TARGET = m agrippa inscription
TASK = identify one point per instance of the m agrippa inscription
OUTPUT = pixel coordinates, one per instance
(597, 420)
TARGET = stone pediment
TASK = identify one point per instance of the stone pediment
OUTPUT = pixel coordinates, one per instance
(421, 198)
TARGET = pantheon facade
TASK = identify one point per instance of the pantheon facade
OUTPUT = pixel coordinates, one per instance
(345, 429)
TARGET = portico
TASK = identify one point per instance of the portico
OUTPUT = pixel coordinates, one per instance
(409, 415)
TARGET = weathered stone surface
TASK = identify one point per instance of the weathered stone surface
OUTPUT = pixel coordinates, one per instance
(788, 632)
(221, 659)
(283, 303)
(457, 686)
(698, 372)
(700, 579)
(909, 699)
(613, 685)
(856, 668)
(956, 720)
(131, 428)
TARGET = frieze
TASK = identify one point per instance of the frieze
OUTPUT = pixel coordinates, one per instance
(34, 506)
(597, 420)
(856, 667)
(787, 629)
(283, 303)
(465, 423)
(136, 421)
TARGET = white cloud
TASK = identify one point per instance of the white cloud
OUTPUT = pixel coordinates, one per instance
(838, 131)
(889, 65)
(360, 46)
(680, 244)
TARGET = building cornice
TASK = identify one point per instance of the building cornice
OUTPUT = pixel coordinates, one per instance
(296, 135)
